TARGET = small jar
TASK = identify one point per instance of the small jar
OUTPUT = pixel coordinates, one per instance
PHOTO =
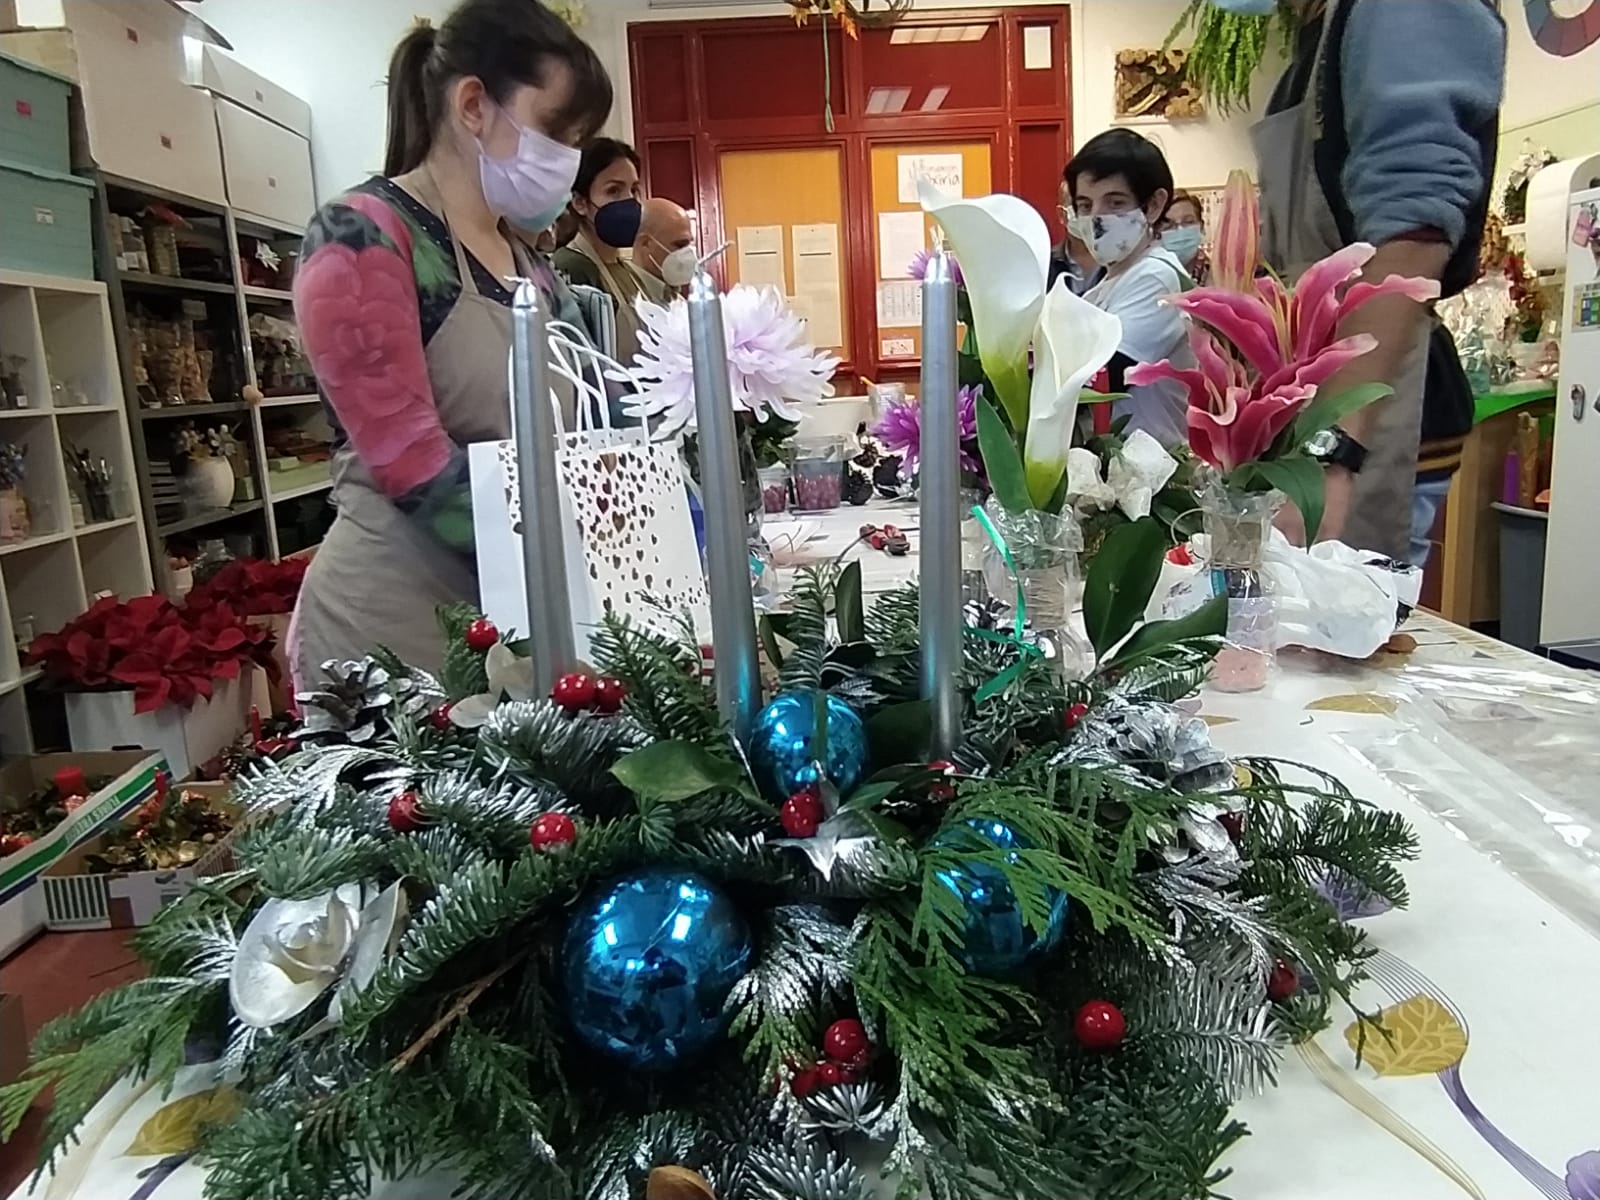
(818, 472)
(774, 488)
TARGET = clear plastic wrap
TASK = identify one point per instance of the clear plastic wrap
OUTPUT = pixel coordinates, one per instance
(1503, 750)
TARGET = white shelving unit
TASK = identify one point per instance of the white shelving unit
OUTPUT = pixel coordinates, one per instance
(61, 329)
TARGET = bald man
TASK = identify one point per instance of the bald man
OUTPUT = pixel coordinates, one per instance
(664, 252)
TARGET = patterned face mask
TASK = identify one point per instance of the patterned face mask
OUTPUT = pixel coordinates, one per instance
(1112, 237)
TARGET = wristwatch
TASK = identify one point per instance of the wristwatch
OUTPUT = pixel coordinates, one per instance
(1336, 448)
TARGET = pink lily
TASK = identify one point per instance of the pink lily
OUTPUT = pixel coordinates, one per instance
(1275, 329)
(1238, 245)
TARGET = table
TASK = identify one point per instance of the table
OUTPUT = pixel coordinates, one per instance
(1486, 750)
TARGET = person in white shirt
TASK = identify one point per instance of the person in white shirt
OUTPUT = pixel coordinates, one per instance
(1120, 185)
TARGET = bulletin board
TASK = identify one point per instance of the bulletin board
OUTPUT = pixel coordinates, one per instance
(899, 229)
(783, 220)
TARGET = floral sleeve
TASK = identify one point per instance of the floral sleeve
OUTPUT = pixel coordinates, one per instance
(356, 298)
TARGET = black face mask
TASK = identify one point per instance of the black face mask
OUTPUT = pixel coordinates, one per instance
(617, 224)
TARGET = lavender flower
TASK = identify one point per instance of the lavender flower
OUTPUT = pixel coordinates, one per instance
(918, 269)
(899, 431)
(771, 365)
(1583, 1176)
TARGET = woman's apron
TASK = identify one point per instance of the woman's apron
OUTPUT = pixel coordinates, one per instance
(1298, 229)
(379, 576)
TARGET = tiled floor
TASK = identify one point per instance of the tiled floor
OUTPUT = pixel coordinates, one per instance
(52, 975)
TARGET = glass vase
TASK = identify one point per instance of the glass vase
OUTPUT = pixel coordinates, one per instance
(1043, 573)
(1238, 526)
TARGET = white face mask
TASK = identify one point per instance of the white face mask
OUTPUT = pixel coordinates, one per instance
(1112, 237)
(678, 267)
(1184, 242)
(532, 186)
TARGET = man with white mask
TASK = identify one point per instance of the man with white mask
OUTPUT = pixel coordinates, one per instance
(1383, 130)
(1120, 185)
(664, 252)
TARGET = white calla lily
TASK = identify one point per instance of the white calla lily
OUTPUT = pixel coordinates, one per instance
(1074, 340)
(1003, 245)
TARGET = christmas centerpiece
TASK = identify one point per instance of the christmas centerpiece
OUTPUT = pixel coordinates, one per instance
(919, 918)
(1265, 352)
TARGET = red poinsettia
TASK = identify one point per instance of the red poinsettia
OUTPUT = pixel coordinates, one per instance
(166, 654)
(253, 587)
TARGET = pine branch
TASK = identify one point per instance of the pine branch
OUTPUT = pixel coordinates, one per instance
(665, 694)
(806, 627)
(540, 744)
(808, 1171)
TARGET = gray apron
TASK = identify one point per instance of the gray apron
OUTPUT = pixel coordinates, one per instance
(379, 577)
(1297, 229)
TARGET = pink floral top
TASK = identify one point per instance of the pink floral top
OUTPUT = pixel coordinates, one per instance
(377, 279)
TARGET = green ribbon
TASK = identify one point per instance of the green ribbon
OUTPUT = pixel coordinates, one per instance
(1025, 650)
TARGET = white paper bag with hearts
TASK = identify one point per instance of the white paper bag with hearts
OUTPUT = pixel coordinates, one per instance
(630, 544)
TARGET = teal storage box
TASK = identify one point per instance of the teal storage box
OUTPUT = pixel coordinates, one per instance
(44, 222)
(34, 122)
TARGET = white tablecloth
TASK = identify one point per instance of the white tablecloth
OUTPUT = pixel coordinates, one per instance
(1503, 920)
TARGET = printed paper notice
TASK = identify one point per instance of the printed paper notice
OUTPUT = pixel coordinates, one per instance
(761, 257)
(817, 297)
(897, 348)
(1037, 54)
(944, 171)
(899, 305)
(901, 238)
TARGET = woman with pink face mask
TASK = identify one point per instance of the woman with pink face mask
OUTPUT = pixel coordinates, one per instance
(404, 308)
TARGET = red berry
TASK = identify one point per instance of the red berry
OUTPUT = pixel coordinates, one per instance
(942, 791)
(1099, 1025)
(482, 635)
(609, 694)
(801, 815)
(805, 1082)
(1282, 983)
(1233, 822)
(1074, 714)
(552, 831)
(439, 718)
(574, 691)
(860, 1061)
(405, 813)
(830, 1074)
(845, 1039)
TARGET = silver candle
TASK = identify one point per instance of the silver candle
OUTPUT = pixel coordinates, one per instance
(939, 567)
(544, 563)
(733, 626)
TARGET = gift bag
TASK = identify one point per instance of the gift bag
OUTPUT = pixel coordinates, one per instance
(630, 544)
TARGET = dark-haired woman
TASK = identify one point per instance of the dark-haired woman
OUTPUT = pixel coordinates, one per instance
(605, 199)
(404, 311)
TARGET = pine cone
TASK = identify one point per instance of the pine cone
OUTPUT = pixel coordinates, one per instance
(349, 707)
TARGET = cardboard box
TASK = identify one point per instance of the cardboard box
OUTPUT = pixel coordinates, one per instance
(13, 1040)
(76, 900)
(133, 783)
(187, 737)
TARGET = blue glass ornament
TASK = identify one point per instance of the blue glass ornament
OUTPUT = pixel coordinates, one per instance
(781, 748)
(649, 961)
(998, 942)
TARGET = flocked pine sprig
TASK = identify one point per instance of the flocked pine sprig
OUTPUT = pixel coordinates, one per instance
(808, 1170)
(803, 973)
(537, 742)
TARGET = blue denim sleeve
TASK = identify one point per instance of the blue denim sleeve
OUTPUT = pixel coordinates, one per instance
(1420, 78)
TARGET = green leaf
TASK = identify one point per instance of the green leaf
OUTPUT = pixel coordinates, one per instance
(677, 771)
(1209, 620)
(1325, 412)
(1121, 581)
(847, 605)
(868, 794)
(1300, 479)
(768, 633)
(1001, 459)
(898, 733)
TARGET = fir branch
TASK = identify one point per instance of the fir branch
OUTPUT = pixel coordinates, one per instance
(541, 744)
(665, 694)
(806, 627)
(808, 1171)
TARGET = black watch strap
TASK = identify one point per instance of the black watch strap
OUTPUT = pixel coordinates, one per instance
(1336, 448)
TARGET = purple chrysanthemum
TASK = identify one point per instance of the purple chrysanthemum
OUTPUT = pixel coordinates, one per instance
(1583, 1176)
(919, 267)
(899, 431)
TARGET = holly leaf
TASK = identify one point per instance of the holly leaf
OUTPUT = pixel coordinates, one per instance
(898, 733)
(673, 771)
(1001, 460)
(1121, 581)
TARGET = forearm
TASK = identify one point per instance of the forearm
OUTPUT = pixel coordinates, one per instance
(1397, 322)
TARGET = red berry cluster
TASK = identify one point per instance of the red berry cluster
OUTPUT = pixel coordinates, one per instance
(578, 691)
(849, 1054)
(552, 831)
(802, 813)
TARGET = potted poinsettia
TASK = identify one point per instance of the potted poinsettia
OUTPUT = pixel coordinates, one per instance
(145, 672)
(263, 593)
(1257, 397)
